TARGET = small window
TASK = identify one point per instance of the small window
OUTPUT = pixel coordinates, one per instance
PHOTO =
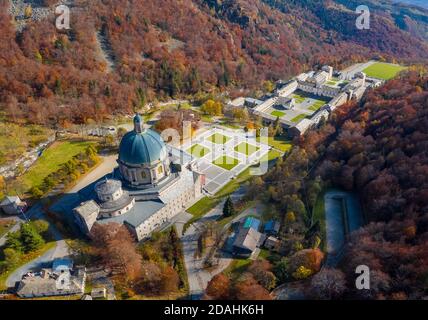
(143, 175)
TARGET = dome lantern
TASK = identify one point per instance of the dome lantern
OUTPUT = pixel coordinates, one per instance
(138, 124)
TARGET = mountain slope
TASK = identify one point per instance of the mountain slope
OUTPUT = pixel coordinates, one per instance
(183, 48)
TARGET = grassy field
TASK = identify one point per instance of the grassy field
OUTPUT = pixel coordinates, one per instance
(6, 225)
(225, 162)
(204, 205)
(299, 118)
(319, 215)
(198, 151)
(218, 138)
(206, 118)
(50, 161)
(279, 114)
(247, 149)
(237, 268)
(383, 71)
(16, 139)
(280, 143)
(272, 155)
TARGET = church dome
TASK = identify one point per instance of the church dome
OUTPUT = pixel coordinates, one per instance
(141, 146)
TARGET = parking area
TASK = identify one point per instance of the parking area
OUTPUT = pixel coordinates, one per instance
(222, 154)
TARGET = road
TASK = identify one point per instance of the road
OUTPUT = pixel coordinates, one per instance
(36, 212)
(106, 167)
(198, 276)
(59, 251)
(17, 225)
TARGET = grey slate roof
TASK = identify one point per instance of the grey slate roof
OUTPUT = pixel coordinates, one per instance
(138, 214)
(9, 200)
(108, 186)
(37, 286)
(248, 239)
(87, 208)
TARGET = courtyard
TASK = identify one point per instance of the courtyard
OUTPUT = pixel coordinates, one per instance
(222, 154)
(305, 106)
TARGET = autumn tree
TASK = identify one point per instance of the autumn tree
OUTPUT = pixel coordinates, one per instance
(328, 284)
(250, 289)
(218, 287)
(262, 272)
(117, 250)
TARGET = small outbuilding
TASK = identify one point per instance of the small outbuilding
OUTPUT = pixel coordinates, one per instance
(99, 293)
(272, 227)
(246, 242)
(13, 205)
(271, 243)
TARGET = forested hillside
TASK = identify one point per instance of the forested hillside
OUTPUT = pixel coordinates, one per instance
(121, 53)
(377, 148)
(381, 152)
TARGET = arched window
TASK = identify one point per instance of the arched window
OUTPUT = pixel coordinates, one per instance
(143, 174)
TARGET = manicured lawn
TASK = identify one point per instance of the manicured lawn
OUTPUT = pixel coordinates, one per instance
(204, 205)
(299, 98)
(383, 71)
(280, 143)
(279, 114)
(317, 105)
(237, 267)
(331, 83)
(272, 155)
(198, 151)
(299, 118)
(246, 148)
(218, 138)
(226, 162)
(319, 215)
(51, 160)
(207, 118)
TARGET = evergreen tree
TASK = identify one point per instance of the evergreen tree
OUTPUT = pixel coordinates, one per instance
(228, 209)
(13, 241)
(30, 239)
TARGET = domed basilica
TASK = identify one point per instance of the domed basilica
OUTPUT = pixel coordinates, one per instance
(148, 188)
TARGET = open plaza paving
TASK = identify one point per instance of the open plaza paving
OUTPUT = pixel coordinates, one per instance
(222, 154)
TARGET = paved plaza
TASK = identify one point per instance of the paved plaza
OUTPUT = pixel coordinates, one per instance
(222, 154)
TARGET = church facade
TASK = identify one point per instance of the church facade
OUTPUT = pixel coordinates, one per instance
(147, 190)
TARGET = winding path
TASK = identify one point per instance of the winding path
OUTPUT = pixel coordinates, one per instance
(59, 251)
